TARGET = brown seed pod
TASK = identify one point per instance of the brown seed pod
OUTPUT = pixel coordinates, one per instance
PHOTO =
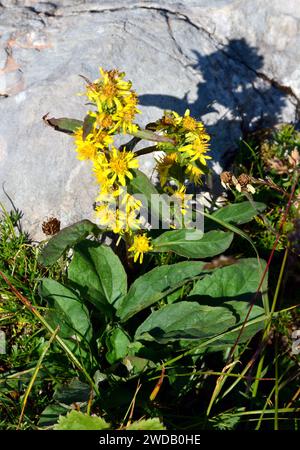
(244, 180)
(226, 177)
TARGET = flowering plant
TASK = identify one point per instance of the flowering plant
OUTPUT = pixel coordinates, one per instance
(183, 144)
(182, 301)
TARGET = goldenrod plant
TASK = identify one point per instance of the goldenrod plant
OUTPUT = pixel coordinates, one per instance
(183, 141)
(159, 313)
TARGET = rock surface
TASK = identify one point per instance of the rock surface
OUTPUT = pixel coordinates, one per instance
(235, 64)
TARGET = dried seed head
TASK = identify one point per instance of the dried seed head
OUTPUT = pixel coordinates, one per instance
(51, 226)
(244, 180)
(294, 158)
(226, 177)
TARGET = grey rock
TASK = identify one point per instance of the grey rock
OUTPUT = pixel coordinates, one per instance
(235, 64)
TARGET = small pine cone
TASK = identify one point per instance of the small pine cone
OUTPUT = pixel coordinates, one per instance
(244, 180)
(51, 226)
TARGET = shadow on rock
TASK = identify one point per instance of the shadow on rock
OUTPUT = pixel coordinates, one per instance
(233, 98)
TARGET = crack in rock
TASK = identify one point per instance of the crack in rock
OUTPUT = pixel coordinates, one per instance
(50, 9)
(166, 12)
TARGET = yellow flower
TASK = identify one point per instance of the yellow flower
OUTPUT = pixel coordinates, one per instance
(99, 171)
(194, 173)
(141, 245)
(108, 194)
(196, 150)
(124, 117)
(105, 215)
(188, 122)
(108, 89)
(132, 222)
(109, 218)
(119, 165)
(102, 139)
(163, 165)
(85, 149)
(131, 203)
(180, 196)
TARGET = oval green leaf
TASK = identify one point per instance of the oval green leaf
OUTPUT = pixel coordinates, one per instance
(239, 213)
(65, 239)
(63, 124)
(98, 272)
(155, 285)
(193, 243)
(67, 310)
(185, 320)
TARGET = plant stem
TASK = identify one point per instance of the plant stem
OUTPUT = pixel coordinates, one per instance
(36, 313)
(34, 375)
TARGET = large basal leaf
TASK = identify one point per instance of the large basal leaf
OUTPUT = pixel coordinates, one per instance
(63, 124)
(239, 213)
(193, 243)
(66, 310)
(66, 238)
(240, 310)
(155, 285)
(97, 270)
(233, 281)
(240, 332)
(76, 420)
(185, 320)
(234, 287)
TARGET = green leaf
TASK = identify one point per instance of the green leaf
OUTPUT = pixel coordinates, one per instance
(233, 281)
(193, 243)
(155, 285)
(136, 365)
(242, 332)
(66, 310)
(240, 310)
(63, 124)
(153, 201)
(50, 415)
(239, 213)
(147, 424)
(88, 125)
(74, 391)
(76, 420)
(117, 343)
(151, 136)
(66, 238)
(185, 320)
(234, 287)
(98, 271)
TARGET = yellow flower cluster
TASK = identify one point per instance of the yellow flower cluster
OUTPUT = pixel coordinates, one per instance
(115, 110)
(191, 142)
(116, 102)
(187, 158)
